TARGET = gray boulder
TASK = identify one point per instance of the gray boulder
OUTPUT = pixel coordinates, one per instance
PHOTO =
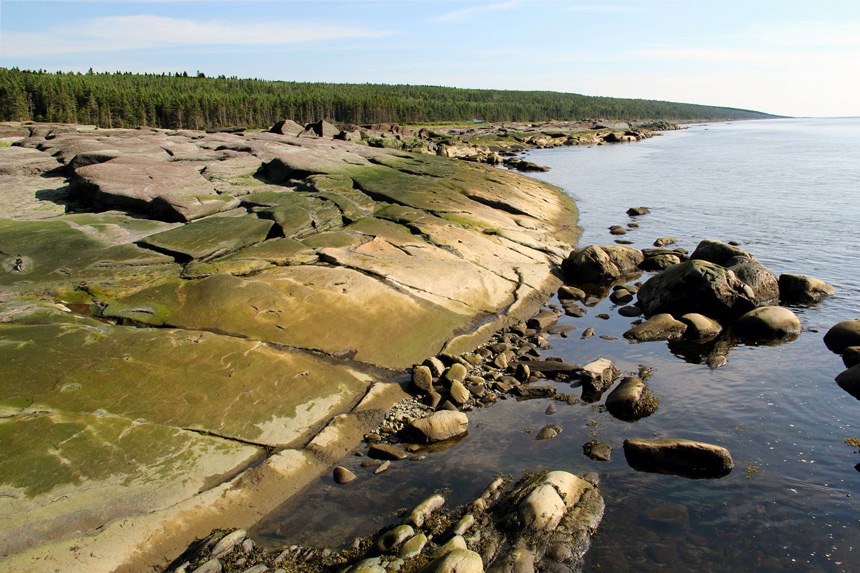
(601, 264)
(658, 327)
(287, 127)
(696, 286)
(799, 289)
(700, 327)
(843, 335)
(759, 278)
(768, 323)
(686, 458)
(718, 252)
(849, 380)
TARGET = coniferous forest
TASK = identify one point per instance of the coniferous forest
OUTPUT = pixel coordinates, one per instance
(197, 102)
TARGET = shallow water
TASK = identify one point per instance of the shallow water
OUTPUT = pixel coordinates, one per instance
(789, 191)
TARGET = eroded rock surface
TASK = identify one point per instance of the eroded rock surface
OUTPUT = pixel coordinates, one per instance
(291, 278)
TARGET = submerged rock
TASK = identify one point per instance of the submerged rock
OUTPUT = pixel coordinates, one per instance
(686, 458)
(658, 327)
(799, 289)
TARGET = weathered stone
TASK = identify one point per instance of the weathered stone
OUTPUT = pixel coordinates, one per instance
(211, 566)
(658, 327)
(571, 293)
(631, 400)
(597, 450)
(439, 426)
(680, 457)
(717, 252)
(455, 373)
(287, 127)
(423, 510)
(638, 211)
(851, 356)
(663, 241)
(435, 365)
(542, 320)
(422, 378)
(630, 311)
(383, 467)
(768, 323)
(459, 394)
(552, 368)
(758, 277)
(659, 262)
(599, 375)
(209, 238)
(700, 327)
(549, 431)
(228, 542)
(342, 475)
(849, 380)
(387, 452)
(392, 538)
(696, 286)
(601, 264)
(413, 547)
(842, 335)
(523, 372)
(799, 289)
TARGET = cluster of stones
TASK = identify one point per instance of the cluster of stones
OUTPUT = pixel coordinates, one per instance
(542, 522)
(844, 338)
(502, 142)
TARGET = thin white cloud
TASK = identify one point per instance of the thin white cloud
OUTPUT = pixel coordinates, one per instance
(141, 32)
(464, 13)
(714, 55)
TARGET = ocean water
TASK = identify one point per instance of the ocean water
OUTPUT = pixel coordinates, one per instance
(789, 191)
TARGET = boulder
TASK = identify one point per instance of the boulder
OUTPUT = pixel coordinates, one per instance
(696, 286)
(457, 561)
(686, 458)
(631, 400)
(455, 373)
(663, 241)
(849, 380)
(597, 450)
(758, 277)
(621, 296)
(439, 426)
(287, 127)
(717, 252)
(660, 262)
(658, 327)
(638, 211)
(543, 320)
(422, 378)
(843, 335)
(851, 356)
(630, 311)
(320, 128)
(599, 375)
(601, 264)
(799, 289)
(700, 327)
(768, 323)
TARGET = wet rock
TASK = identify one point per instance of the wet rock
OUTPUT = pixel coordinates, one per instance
(439, 426)
(587, 333)
(552, 368)
(529, 392)
(549, 431)
(621, 296)
(631, 400)
(392, 538)
(663, 241)
(659, 262)
(638, 211)
(387, 452)
(851, 356)
(211, 566)
(700, 327)
(383, 467)
(718, 252)
(849, 380)
(799, 289)
(542, 320)
(658, 327)
(768, 323)
(413, 547)
(686, 458)
(342, 475)
(574, 310)
(696, 286)
(758, 277)
(597, 451)
(843, 335)
(462, 526)
(571, 293)
(601, 264)
(717, 361)
(422, 378)
(599, 375)
(617, 230)
(630, 311)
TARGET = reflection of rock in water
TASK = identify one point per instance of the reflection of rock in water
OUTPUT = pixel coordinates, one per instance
(702, 352)
(544, 521)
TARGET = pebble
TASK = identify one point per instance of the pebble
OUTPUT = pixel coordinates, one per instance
(383, 467)
(343, 475)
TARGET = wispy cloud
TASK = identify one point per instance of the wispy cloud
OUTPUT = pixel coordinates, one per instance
(464, 13)
(713, 55)
(141, 32)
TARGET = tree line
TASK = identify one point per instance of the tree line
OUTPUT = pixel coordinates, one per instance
(180, 100)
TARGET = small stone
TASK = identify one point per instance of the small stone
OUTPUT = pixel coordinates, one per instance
(387, 452)
(459, 394)
(658, 327)
(768, 323)
(621, 296)
(382, 467)
(663, 241)
(638, 211)
(843, 335)
(587, 333)
(423, 510)
(550, 410)
(617, 230)
(630, 311)
(571, 293)
(343, 475)
(455, 373)
(597, 451)
(501, 361)
(523, 372)
(631, 400)
(371, 463)
(439, 426)
(549, 431)
(700, 327)
(462, 526)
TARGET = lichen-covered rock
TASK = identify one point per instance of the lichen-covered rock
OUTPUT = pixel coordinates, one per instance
(696, 286)
(658, 327)
(686, 458)
(700, 327)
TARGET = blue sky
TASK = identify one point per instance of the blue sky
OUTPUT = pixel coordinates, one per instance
(792, 58)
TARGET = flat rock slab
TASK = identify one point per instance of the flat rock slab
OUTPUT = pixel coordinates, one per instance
(209, 238)
(686, 458)
(168, 191)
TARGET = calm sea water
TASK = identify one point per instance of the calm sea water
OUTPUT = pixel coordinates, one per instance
(789, 191)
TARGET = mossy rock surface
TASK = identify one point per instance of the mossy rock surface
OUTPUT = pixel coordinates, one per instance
(216, 236)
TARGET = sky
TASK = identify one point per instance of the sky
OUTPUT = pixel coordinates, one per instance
(797, 58)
